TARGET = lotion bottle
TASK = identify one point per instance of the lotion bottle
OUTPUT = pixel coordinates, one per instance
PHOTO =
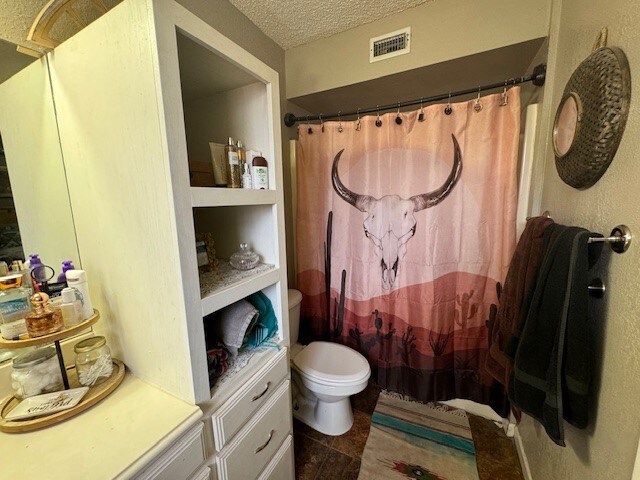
(78, 280)
(260, 173)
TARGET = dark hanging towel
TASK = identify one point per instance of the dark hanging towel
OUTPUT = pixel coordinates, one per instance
(553, 361)
(516, 297)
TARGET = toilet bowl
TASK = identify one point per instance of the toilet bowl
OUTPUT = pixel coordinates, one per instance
(324, 376)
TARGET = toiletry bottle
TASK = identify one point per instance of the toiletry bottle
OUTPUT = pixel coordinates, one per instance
(37, 268)
(44, 319)
(247, 182)
(242, 155)
(71, 307)
(234, 177)
(260, 173)
(78, 280)
(66, 265)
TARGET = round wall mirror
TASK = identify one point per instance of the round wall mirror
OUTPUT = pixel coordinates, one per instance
(591, 117)
(566, 124)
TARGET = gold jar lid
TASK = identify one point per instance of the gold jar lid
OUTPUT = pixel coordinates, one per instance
(89, 344)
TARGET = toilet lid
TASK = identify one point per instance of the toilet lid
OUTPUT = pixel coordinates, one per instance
(332, 362)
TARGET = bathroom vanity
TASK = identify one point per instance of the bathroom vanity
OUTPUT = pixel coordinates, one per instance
(138, 94)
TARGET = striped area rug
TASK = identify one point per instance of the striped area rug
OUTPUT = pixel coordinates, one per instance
(414, 440)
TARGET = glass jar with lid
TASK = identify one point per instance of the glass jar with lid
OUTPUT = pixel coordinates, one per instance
(93, 361)
(36, 372)
(245, 259)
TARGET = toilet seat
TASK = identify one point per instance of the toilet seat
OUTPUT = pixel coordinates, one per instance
(332, 364)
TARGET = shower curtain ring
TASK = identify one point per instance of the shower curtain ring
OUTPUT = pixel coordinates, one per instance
(478, 106)
(505, 97)
(340, 129)
(310, 129)
(398, 117)
(321, 123)
(421, 115)
(448, 110)
(378, 121)
(358, 126)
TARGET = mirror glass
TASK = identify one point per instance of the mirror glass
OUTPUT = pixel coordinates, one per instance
(35, 211)
(566, 125)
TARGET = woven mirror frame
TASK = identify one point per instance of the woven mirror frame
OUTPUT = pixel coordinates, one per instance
(600, 88)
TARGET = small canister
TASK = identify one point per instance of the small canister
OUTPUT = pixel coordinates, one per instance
(93, 361)
(36, 372)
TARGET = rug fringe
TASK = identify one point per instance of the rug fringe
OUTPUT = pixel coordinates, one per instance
(441, 407)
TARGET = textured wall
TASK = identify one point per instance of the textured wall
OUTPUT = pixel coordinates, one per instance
(440, 31)
(608, 448)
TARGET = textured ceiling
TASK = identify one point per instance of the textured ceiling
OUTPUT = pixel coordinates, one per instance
(295, 22)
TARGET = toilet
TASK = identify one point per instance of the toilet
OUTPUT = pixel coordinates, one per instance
(324, 376)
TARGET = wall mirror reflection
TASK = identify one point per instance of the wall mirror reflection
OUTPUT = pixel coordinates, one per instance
(36, 221)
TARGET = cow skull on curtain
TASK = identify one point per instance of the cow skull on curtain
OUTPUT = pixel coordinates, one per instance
(390, 221)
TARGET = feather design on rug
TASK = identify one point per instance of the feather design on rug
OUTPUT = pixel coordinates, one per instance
(415, 471)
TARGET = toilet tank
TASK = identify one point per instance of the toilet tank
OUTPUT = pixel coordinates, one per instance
(295, 298)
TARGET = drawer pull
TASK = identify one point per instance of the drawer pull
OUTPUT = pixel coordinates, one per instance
(259, 449)
(256, 397)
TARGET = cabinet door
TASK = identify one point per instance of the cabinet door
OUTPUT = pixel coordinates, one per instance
(180, 460)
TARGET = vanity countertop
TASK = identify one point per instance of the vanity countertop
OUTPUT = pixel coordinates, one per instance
(114, 439)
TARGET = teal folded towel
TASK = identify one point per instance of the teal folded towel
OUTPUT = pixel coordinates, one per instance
(267, 324)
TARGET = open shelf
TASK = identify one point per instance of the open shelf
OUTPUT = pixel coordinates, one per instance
(226, 285)
(227, 197)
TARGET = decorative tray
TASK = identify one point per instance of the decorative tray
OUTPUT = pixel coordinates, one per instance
(62, 334)
(93, 396)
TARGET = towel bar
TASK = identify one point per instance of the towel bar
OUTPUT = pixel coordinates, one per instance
(619, 240)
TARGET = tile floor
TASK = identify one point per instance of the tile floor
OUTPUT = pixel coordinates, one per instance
(322, 457)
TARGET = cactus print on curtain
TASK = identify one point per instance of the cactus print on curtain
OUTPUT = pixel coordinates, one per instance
(404, 232)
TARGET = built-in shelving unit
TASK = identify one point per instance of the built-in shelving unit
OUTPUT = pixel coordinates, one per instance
(183, 86)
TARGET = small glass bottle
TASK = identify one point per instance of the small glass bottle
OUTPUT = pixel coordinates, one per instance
(247, 182)
(71, 307)
(44, 320)
(234, 177)
(36, 372)
(93, 361)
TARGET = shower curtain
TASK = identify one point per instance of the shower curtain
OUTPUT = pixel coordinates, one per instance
(404, 231)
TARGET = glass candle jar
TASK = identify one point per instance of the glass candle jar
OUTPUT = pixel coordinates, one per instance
(36, 372)
(93, 361)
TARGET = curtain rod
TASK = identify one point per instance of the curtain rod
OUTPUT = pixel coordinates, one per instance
(537, 78)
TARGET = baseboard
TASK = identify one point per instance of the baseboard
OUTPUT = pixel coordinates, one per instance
(524, 462)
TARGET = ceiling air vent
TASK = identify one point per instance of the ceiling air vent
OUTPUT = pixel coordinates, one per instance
(390, 45)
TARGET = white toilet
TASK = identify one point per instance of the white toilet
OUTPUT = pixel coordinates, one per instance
(324, 375)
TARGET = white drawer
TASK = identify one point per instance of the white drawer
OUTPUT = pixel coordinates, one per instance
(180, 460)
(230, 417)
(256, 444)
(282, 465)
